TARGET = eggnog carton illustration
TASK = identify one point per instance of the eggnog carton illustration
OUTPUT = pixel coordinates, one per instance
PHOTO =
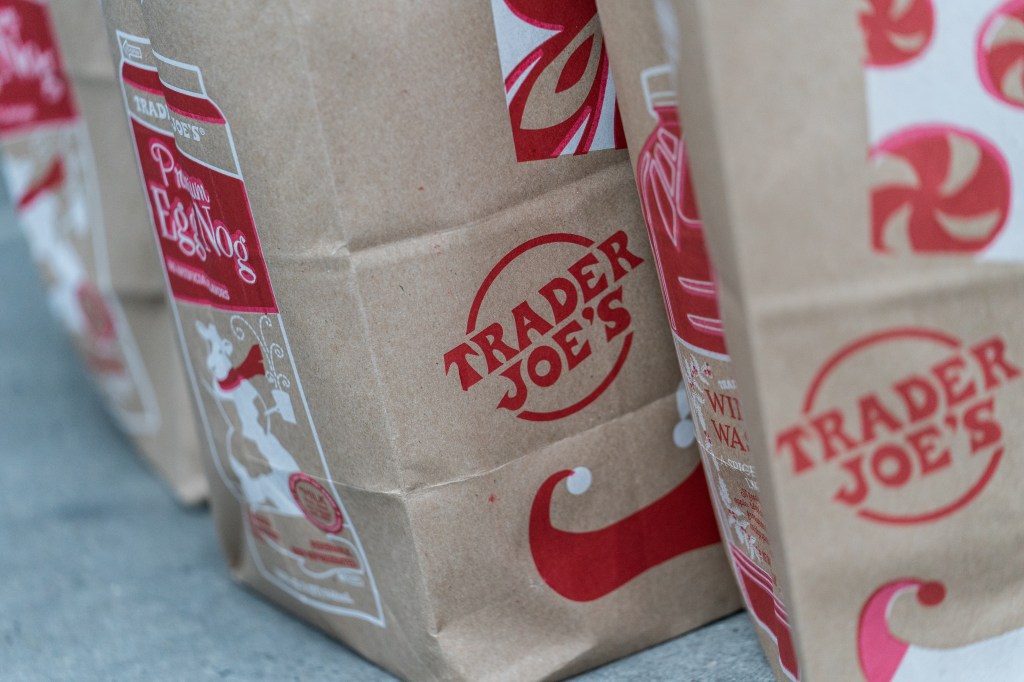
(86, 227)
(420, 319)
(647, 100)
(858, 169)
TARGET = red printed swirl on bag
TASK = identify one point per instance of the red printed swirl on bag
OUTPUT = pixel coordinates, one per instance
(574, 563)
(1001, 54)
(938, 189)
(885, 656)
(915, 446)
(896, 31)
(33, 86)
(557, 80)
(673, 223)
(577, 317)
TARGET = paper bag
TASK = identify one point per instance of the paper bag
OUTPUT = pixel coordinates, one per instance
(69, 168)
(422, 319)
(648, 100)
(858, 169)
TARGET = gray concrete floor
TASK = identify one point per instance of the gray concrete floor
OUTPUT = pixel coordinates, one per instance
(104, 577)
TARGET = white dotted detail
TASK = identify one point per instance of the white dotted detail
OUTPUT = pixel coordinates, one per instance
(579, 481)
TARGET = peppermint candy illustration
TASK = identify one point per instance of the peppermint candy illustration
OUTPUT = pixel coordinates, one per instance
(938, 189)
(1001, 53)
(896, 31)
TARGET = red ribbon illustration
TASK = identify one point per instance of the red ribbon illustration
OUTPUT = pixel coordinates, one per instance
(250, 367)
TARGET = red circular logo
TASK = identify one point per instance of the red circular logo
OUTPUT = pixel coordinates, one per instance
(906, 421)
(568, 331)
(316, 503)
(937, 189)
(1001, 53)
(896, 31)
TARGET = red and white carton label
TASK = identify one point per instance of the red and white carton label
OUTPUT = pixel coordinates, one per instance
(258, 423)
(34, 90)
(945, 86)
(210, 248)
(558, 86)
(674, 225)
(51, 176)
(716, 415)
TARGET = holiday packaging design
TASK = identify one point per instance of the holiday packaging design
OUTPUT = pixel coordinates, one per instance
(648, 101)
(558, 84)
(858, 172)
(445, 420)
(70, 176)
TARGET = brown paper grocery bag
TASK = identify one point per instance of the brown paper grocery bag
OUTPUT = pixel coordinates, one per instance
(648, 101)
(69, 168)
(858, 168)
(422, 322)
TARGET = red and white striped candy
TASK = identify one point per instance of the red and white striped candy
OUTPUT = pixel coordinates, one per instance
(1001, 53)
(896, 31)
(938, 189)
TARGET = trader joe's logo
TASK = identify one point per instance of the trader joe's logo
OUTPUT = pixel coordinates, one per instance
(912, 448)
(545, 345)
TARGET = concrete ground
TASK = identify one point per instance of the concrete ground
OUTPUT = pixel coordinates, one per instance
(104, 577)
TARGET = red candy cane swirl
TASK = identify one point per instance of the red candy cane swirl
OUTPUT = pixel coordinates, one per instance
(896, 31)
(938, 189)
(1001, 53)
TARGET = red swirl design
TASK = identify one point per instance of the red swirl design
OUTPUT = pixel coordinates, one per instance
(584, 566)
(938, 189)
(566, 77)
(880, 651)
(1001, 54)
(897, 31)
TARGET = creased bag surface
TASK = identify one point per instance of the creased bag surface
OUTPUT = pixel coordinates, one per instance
(444, 432)
(859, 172)
(71, 177)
